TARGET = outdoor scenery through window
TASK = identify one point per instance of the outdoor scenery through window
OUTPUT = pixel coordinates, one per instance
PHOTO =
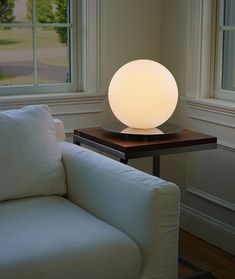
(228, 49)
(35, 42)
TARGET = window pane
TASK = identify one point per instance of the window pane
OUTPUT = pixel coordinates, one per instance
(35, 45)
(52, 11)
(16, 60)
(15, 11)
(53, 61)
(229, 13)
(228, 67)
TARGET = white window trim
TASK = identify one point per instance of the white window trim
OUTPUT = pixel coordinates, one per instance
(91, 69)
(199, 67)
(219, 92)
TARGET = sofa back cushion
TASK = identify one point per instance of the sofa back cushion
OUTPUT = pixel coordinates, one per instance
(30, 157)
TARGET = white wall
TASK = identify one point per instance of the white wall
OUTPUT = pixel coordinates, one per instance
(130, 30)
(206, 178)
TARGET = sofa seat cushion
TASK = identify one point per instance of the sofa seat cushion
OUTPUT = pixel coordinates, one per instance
(30, 162)
(51, 237)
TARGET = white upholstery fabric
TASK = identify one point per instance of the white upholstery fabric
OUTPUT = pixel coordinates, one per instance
(59, 130)
(115, 223)
(30, 162)
(144, 207)
(50, 237)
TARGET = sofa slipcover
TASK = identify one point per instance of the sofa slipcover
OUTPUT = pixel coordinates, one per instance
(67, 212)
(50, 237)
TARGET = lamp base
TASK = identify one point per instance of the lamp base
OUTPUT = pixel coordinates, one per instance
(162, 130)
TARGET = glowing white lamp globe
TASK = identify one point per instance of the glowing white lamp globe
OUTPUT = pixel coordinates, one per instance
(143, 94)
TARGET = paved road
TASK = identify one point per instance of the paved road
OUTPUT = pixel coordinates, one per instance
(45, 71)
(19, 63)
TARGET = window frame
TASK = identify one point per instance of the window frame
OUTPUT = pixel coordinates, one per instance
(200, 66)
(50, 88)
(89, 97)
(219, 92)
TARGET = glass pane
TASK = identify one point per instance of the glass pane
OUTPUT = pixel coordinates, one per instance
(16, 60)
(15, 11)
(229, 13)
(52, 11)
(228, 69)
(53, 60)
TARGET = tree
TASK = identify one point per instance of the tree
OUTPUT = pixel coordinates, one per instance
(6, 11)
(61, 16)
(50, 11)
(44, 11)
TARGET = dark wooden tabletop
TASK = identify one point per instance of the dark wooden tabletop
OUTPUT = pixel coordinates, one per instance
(128, 144)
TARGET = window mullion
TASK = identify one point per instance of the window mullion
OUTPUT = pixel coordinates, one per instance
(69, 52)
(34, 42)
(218, 80)
(227, 28)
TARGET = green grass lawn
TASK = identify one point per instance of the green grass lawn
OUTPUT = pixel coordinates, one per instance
(21, 38)
(12, 80)
(23, 80)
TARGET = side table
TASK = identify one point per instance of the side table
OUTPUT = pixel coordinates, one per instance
(126, 148)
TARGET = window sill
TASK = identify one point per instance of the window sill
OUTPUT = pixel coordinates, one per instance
(60, 103)
(211, 110)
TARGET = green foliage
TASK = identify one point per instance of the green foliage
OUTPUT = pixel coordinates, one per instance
(1, 74)
(44, 11)
(61, 16)
(49, 11)
(6, 11)
(8, 42)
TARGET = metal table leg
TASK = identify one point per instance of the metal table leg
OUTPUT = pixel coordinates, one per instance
(156, 165)
(200, 272)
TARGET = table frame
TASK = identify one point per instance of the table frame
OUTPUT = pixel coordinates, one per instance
(124, 153)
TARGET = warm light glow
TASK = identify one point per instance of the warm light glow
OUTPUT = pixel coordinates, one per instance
(143, 94)
(134, 131)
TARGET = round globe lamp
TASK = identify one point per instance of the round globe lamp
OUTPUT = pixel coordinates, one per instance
(143, 94)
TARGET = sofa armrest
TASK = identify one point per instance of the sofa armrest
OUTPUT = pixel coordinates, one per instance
(59, 129)
(143, 206)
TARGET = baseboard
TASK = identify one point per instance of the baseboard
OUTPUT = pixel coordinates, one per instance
(207, 228)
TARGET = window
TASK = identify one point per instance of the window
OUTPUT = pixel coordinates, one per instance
(204, 96)
(226, 50)
(38, 51)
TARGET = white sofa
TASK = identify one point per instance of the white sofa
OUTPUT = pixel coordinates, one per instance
(67, 212)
